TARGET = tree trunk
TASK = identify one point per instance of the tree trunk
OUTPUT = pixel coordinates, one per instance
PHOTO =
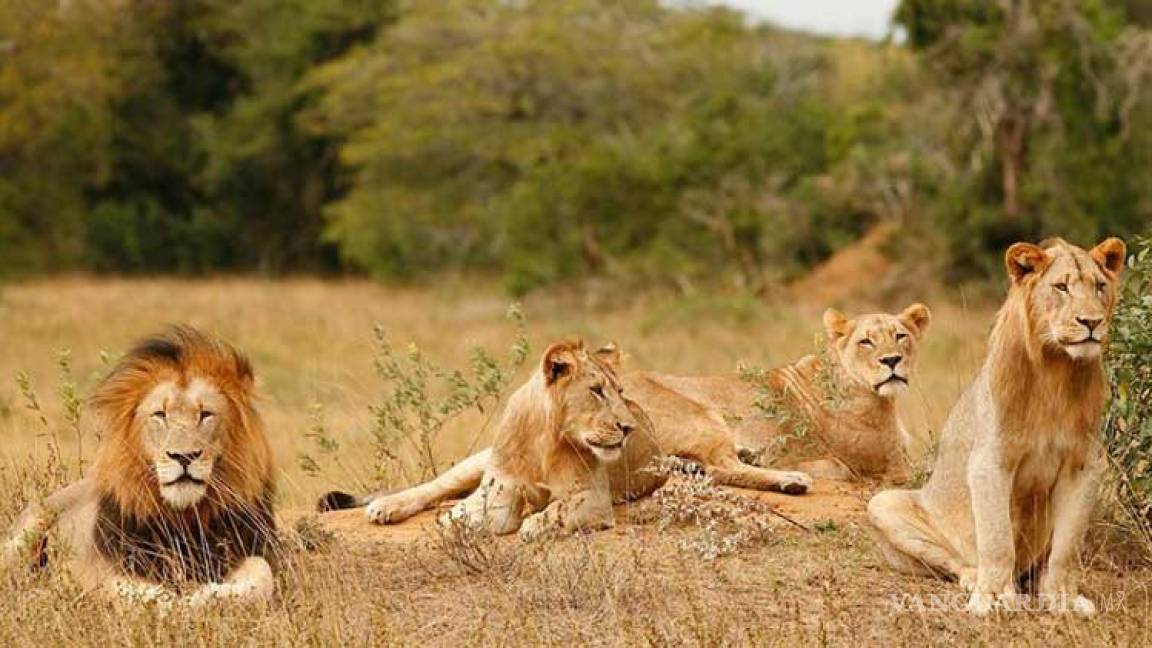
(590, 248)
(1011, 144)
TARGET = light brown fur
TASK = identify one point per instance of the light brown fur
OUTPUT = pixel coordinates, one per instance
(180, 392)
(1019, 459)
(547, 470)
(539, 465)
(851, 433)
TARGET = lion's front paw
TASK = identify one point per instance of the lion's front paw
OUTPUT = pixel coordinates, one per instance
(795, 483)
(1082, 606)
(981, 602)
(391, 509)
(134, 593)
(1062, 602)
(967, 579)
(534, 527)
(207, 595)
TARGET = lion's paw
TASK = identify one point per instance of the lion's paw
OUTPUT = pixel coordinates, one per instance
(1082, 606)
(390, 509)
(1075, 603)
(534, 527)
(967, 579)
(795, 483)
(981, 603)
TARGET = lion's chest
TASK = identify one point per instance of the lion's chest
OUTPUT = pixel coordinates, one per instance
(179, 549)
(1048, 459)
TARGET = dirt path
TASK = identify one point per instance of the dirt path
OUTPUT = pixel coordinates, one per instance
(643, 584)
(828, 501)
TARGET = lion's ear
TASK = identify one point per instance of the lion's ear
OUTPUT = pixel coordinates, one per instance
(916, 317)
(1110, 254)
(560, 361)
(836, 325)
(609, 354)
(1023, 259)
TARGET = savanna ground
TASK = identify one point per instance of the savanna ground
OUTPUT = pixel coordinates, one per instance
(651, 580)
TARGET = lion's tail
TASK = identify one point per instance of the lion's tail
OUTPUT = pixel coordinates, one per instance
(339, 500)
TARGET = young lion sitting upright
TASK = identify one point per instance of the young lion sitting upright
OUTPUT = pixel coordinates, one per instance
(1019, 459)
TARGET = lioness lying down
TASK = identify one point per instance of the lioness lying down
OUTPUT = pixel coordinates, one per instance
(568, 446)
(1019, 459)
(837, 415)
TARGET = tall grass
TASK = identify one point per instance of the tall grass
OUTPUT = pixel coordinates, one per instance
(693, 573)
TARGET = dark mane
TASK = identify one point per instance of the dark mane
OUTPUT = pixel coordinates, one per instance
(184, 547)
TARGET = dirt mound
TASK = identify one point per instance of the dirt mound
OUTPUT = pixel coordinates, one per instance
(851, 272)
(829, 501)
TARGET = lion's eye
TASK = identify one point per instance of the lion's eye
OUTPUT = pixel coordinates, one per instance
(900, 337)
(160, 414)
(598, 391)
(205, 415)
(1101, 287)
(866, 343)
(1062, 287)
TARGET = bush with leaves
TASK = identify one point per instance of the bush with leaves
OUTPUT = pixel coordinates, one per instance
(1128, 432)
(421, 399)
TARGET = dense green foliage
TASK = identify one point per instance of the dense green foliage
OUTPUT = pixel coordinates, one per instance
(1129, 429)
(550, 139)
(1048, 120)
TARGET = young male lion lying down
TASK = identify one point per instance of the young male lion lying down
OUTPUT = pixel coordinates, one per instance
(569, 445)
(179, 497)
(1019, 458)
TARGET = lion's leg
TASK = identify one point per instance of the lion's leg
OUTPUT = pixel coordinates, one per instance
(497, 504)
(251, 581)
(587, 510)
(1072, 508)
(730, 471)
(990, 483)
(910, 542)
(585, 507)
(464, 477)
(827, 469)
(28, 535)
(136, 590)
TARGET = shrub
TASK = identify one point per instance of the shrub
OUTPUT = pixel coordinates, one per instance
(422, 397)
(1128, 430)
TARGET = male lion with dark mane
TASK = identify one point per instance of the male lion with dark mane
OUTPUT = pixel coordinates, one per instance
(1019, 459)
(569, 445)
(179, 498)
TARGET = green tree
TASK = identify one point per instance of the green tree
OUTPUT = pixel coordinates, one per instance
(554, 139)
(1044, 104)
(212, 169)
(59, 71)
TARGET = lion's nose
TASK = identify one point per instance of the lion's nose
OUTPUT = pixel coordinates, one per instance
(625, 428)
(185, 458)
(891, 360)
(1090, 323)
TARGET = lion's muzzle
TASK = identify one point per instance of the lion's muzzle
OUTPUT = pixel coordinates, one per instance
(183, 477)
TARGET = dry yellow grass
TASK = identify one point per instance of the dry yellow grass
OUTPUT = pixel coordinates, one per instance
(312, 345)
(311, 342)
